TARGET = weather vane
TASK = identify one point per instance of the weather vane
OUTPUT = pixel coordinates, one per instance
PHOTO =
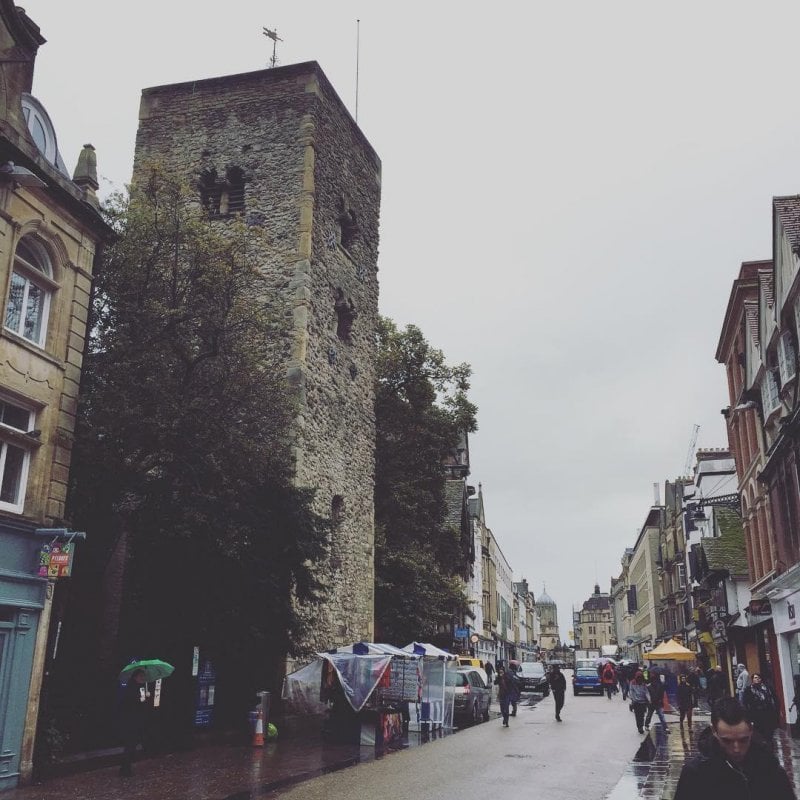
(275, 39)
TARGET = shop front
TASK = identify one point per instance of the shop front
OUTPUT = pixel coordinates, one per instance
(786, 621)
(23, 597)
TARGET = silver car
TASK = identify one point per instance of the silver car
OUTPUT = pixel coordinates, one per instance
(473, 697)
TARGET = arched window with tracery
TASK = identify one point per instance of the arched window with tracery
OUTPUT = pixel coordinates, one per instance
(30, 293)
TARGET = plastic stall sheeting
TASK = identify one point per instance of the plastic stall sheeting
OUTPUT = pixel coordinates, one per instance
(301, 690)
(358, 675)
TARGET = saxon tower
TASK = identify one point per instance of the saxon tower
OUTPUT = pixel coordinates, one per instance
(279, 149)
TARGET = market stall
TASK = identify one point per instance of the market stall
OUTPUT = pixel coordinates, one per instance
(434, 706)
(363, 690)
(670, 659)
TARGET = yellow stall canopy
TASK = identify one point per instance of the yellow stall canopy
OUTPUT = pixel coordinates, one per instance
(670, 651)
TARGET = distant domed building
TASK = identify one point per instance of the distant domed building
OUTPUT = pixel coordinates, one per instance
(547, 612)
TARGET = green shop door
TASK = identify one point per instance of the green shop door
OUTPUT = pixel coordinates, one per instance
(17, 638)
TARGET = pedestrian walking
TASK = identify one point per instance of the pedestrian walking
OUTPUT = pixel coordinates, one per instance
(506, 690)
(759, 701)
(608, 677)
(640, 699)
(742, 682)
(623, 681)
(716, 688)
(489, 672)
(686, 699)
(731, 763)
(558, 686)
(657, 694)
(133, 710)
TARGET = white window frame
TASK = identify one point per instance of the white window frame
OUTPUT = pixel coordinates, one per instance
(681, 574)
(797, 316)
(786, 358)
(770, 396)
(18, 506)
(39, 275)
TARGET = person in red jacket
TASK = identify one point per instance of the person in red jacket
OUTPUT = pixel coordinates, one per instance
(608, 677)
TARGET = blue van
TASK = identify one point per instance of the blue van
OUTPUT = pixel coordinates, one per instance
(586, 679)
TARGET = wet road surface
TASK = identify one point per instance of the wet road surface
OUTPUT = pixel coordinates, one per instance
(595, 753)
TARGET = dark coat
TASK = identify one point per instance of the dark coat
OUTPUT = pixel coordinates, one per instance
(709, 775)
(657, 690)
(557, 681)
(761, 707)
(506, 686)
(133, 710)
(685, 695)
(716, 685)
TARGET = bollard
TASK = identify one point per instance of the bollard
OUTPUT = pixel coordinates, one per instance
(258, 733)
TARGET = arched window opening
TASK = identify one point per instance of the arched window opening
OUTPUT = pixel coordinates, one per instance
(222, 197)
(337, 510)
(210, 192)
(345, 316)
(235, 191)
(348, 228)
(32, 285)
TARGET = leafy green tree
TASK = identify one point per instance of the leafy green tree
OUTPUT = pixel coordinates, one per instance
(421, 409)
(183, 448)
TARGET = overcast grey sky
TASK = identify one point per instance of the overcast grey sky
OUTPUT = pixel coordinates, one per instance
(569, 189)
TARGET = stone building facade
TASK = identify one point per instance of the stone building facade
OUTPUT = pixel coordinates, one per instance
(595, 628)
(50, 230)
(279, 149)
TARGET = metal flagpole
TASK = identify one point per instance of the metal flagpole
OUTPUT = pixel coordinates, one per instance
(358, 49)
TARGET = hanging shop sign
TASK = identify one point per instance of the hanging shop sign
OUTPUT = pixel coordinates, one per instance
(55, 560)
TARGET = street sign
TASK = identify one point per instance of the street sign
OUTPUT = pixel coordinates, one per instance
(462, 633)
(474, 638)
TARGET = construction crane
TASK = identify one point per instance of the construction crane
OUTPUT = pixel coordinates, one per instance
(687, 469)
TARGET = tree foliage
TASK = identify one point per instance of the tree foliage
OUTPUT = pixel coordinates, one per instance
(184, 443)
(421, 410)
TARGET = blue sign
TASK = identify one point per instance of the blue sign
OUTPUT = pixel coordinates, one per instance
(462, 633)
(204, 697)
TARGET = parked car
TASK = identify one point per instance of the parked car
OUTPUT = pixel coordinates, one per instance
(586, 679)
(473, 697)
(475, 663)
(532, 678)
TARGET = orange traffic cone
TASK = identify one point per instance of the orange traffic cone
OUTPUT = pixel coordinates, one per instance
(258, 734)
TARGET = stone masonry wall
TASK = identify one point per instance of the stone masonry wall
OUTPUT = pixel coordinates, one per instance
(307, 168)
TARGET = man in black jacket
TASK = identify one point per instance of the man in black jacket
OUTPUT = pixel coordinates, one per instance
(558, 685)
(732, 763)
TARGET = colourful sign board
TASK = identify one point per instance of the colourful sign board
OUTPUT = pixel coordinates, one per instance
(55, 560)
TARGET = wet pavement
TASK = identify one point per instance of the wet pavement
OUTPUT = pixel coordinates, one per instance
(239, 772)
(656, 767)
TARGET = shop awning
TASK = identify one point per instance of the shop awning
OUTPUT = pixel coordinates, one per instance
(670, 651)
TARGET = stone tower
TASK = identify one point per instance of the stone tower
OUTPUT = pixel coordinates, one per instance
(278, 148)
(547, 610)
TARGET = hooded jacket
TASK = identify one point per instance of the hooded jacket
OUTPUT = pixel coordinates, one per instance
(710, 775)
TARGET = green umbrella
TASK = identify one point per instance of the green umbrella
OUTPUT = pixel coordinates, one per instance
(153, 669)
